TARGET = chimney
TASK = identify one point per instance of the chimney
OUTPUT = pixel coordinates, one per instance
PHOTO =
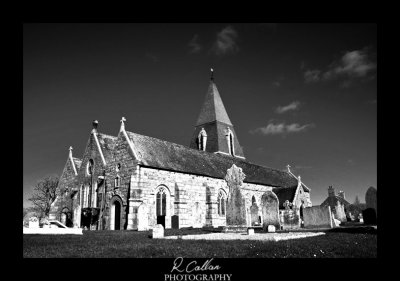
(331, 191)
(341, 194)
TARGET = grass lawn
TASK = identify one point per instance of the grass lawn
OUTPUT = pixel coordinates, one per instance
(336, 243)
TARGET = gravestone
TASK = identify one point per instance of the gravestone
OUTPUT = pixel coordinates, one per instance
(270, 210)
(254, 214)
(370, 199)
(142, 217)
(290, 217)
(250, 231)
(339, 212)
(317, 217)
(33, 222)
(235, 205)
(271, 228)
(369, 216)
(158, 231)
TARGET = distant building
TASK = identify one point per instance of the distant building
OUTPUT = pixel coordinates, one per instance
(132, 181)
(337, 202)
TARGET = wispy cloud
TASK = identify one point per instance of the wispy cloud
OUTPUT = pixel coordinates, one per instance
(281, 128)
(311, 76)
(194, 45)
(225, 42)
(278, 81)
(352, 65)
(292, 106)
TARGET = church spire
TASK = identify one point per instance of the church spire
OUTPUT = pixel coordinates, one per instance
(214, 121)
(213, 109)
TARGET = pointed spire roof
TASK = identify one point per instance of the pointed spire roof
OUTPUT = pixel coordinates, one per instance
(213, 109)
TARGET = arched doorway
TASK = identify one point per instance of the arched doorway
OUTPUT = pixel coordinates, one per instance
(115, 214)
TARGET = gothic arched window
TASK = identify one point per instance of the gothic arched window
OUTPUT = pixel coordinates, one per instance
(202, 139)
(231, 144)
(221, 203)
(161, 202)
(117, 182)
(89, 168)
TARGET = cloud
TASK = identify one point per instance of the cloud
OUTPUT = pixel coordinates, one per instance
(281, 128)
(194, 46)
(311, 76)
(352, 65)
(226, 42)
(292, 106)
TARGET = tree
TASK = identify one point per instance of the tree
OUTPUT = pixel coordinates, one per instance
(356, 201)
(45, 192)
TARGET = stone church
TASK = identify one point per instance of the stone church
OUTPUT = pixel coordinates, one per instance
(131, 181)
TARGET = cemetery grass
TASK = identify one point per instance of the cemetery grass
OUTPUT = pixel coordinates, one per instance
(133, 244)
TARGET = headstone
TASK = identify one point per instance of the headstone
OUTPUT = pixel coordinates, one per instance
(369, 216)
(290, 217)
(254, 214)
(336, 222)
(271, 228)
(339, 212)
(33, 222)
(370, 199)
(158, 231)
(250, 231)
(270, 210)
(235, 205)
(317, 217)
(142, 217)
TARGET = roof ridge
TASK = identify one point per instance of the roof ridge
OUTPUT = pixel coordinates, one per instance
(210, 153)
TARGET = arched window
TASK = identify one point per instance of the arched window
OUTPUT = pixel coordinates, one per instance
(221, 203)
(89, 167)
(231, 144)
(117, 182)
(253, 200)
(202, 139)
(161, 202)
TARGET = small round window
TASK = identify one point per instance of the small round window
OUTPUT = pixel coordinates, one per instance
(89, 169)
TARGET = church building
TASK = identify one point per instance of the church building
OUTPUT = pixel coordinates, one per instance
(131, 181)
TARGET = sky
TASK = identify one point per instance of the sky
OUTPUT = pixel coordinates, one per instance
(297, 93)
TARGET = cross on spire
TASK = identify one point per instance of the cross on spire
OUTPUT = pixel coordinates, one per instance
(288, 167)
(70, 150)
(122, 124)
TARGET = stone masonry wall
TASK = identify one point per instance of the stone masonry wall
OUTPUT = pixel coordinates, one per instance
(193, 198)
(64, 192)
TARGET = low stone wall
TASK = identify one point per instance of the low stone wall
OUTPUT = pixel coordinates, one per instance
(317, 217)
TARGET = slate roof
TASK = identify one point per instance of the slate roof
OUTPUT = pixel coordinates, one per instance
(107, 144)
(77, 162)
(175, 157)
(285, 194)
(213, 109)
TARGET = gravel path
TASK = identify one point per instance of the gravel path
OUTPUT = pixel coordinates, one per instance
(242, 236)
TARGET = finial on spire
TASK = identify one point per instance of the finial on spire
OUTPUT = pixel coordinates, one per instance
(70, 150)
(95, 124)
(288, 167)
(122, 124)
(212, 74)
(299, 177)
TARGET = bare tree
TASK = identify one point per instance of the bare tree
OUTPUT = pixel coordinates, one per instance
(44, 194)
